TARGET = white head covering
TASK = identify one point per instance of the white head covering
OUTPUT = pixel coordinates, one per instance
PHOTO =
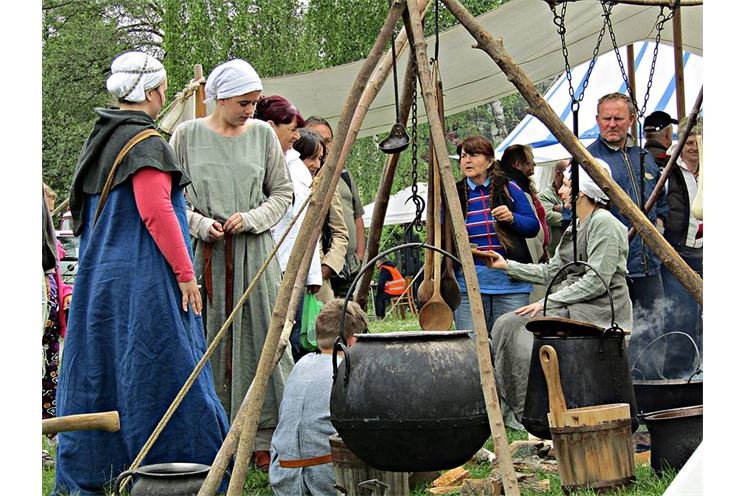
(230, 79)
(133, 74)
(587, 185)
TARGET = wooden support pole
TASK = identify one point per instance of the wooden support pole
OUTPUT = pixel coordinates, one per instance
(632, 81)
(495, 49)
(200, 108)
(320, 202)
(680, 95)
(486, 371)
(661, 3)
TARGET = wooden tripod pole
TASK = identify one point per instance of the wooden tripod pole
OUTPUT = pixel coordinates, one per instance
(486, 371)
(308, 234)
(539, 108)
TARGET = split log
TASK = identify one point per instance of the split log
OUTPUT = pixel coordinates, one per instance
(452, 477)
(495, 49)
(483, 352)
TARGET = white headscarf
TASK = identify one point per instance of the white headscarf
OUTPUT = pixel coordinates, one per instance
(133, 74)
(232, 78)
(587, 185)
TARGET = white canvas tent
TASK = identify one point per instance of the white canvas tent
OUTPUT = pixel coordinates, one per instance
(401, 210)
(470, 78)
(605, 78)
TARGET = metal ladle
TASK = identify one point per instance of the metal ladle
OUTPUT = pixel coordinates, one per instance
(397, 140)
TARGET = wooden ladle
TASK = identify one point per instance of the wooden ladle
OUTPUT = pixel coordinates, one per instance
(436, 314)
(556, 403)
(427, 286)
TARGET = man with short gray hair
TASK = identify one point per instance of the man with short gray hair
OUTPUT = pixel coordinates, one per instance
(615, 116)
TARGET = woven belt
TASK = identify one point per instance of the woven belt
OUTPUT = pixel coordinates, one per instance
(305, 462)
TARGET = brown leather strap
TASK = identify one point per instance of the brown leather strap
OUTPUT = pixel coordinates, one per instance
(229, 302)
(147, 133)
(306, 462)
(207, 270)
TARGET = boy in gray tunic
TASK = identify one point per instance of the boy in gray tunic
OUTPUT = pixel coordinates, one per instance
(300, 450)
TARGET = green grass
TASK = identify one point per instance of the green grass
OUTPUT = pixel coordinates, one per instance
(257, 483)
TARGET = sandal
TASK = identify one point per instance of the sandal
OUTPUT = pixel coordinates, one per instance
(47, 462)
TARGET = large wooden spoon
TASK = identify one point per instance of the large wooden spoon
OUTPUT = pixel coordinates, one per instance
(427, 286)
(556, 403)
(436, 315)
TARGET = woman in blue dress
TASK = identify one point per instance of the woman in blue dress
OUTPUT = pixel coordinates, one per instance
(135, 332)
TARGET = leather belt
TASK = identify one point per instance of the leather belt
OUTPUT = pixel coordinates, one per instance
(306, 462)
(207, 258)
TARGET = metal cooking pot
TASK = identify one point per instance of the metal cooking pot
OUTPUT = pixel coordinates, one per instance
(652, 396)
(593, 363)
(410, 401)
(675, 435)
(165, 479)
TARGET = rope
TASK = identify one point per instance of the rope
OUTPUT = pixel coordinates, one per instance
(213, 345)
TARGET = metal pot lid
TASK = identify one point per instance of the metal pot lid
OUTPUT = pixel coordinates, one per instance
(172, 468)
(563, 327)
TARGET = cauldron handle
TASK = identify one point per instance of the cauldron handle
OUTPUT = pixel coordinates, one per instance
(121, 478)
(695, 348)
(613, 324)
(371, 264)
(339, 347)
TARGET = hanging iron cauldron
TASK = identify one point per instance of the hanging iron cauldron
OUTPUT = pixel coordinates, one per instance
(594, 366)
(410, 401)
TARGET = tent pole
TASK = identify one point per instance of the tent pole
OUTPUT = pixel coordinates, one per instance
(200, 108)
(662, 3)
(680, 96)
(632, 82)
(539, 108)
(486, 371)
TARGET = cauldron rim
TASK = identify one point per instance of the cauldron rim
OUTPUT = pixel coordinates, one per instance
(674, 413)
(666, 382)
(411, 335)
(172, 468)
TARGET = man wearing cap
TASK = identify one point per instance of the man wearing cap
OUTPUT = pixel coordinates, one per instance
(615, 116)
(658, 136)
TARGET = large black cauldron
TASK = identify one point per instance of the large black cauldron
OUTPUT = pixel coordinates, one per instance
(593, 366)
(410, 401)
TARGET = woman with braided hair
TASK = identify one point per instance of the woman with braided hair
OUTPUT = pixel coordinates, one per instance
(498, 218)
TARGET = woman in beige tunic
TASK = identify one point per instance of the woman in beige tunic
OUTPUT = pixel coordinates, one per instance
(239, 190)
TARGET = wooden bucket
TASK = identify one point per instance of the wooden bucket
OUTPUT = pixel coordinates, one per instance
(350, 472)
(594, 448)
